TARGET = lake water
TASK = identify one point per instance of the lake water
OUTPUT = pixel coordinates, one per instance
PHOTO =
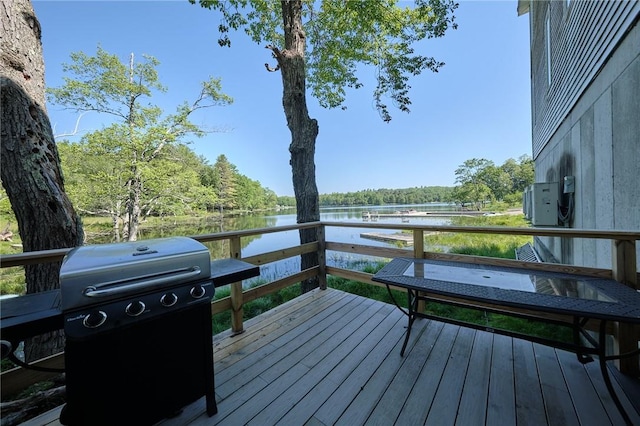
(270, 242)
(280, 240)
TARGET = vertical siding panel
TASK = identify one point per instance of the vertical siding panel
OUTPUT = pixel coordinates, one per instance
(582, 39)
(626, 157)
(603, 158)
(578, 47)
(587, 177)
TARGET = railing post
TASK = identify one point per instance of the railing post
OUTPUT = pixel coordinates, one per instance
(322, 258)
(236, 290)
(624, 270)
(624, 264)
(418, 243)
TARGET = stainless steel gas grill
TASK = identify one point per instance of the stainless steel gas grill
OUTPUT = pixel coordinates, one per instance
(137, 321)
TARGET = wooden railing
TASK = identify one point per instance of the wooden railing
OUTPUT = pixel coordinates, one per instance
(623, 269)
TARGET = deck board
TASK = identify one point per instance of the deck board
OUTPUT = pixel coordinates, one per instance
(332, 358)
(326, 356)
(375, 367)
(529, 405)
(447, 399)
(501, 407)
(473, 410)
(429, 354)
(339, 376)
(584, 396)
(558, 404)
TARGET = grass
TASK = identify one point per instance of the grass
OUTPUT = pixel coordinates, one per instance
(502, 246)
(12, 280)
(473, 316)
(222, 321)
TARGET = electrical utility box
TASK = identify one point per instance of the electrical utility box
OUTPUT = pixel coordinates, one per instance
(544, 204)
(526, 202)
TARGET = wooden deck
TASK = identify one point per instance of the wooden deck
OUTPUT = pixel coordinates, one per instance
(332, 358)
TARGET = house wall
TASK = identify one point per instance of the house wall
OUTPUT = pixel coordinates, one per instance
(584, 34)
(586, 123)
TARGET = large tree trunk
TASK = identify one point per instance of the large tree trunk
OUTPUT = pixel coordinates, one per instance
(31, 173)
(133, 207)
(304, 130)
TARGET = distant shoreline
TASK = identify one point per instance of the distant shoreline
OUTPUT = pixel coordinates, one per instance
(443, 213)
(427, 214)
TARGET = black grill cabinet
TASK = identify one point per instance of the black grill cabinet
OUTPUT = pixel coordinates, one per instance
(137, 321)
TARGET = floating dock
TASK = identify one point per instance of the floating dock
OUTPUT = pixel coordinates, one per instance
(406, 215)
(406, 239)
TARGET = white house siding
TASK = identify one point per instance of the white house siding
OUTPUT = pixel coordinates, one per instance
(587, 123)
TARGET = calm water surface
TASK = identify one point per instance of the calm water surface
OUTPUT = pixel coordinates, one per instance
(280, 240)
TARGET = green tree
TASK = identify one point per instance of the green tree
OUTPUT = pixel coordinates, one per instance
(252, 196)
(471, 194)
(271, 198)
(96, 180)
(139, 132)
(286, 201)
(322, 43)
(6, 213)
(96, 177)
(522, 172)
(172, 184)
(497, 180)
(225, 183)
(473, 188)
(481, 180)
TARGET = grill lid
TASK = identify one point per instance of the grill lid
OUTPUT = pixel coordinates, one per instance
(99, 273)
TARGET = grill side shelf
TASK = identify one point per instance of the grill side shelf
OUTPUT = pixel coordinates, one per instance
(227, 271)
(30, 315)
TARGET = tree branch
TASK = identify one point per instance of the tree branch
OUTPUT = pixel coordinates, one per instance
(276, 54)
(75, 130)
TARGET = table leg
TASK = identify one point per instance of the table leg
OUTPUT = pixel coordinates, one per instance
(602, 358)
(412, 301)
(578, 326)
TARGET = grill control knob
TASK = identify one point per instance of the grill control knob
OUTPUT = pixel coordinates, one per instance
(134, 309)
(197, 291)
(95, 319)
(168, 299)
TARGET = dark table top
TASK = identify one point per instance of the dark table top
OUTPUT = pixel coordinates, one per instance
(561, 293)
(37, 313)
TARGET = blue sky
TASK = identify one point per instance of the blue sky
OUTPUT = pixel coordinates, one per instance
(477, 106)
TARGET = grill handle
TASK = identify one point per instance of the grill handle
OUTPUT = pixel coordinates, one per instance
(122, 289)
